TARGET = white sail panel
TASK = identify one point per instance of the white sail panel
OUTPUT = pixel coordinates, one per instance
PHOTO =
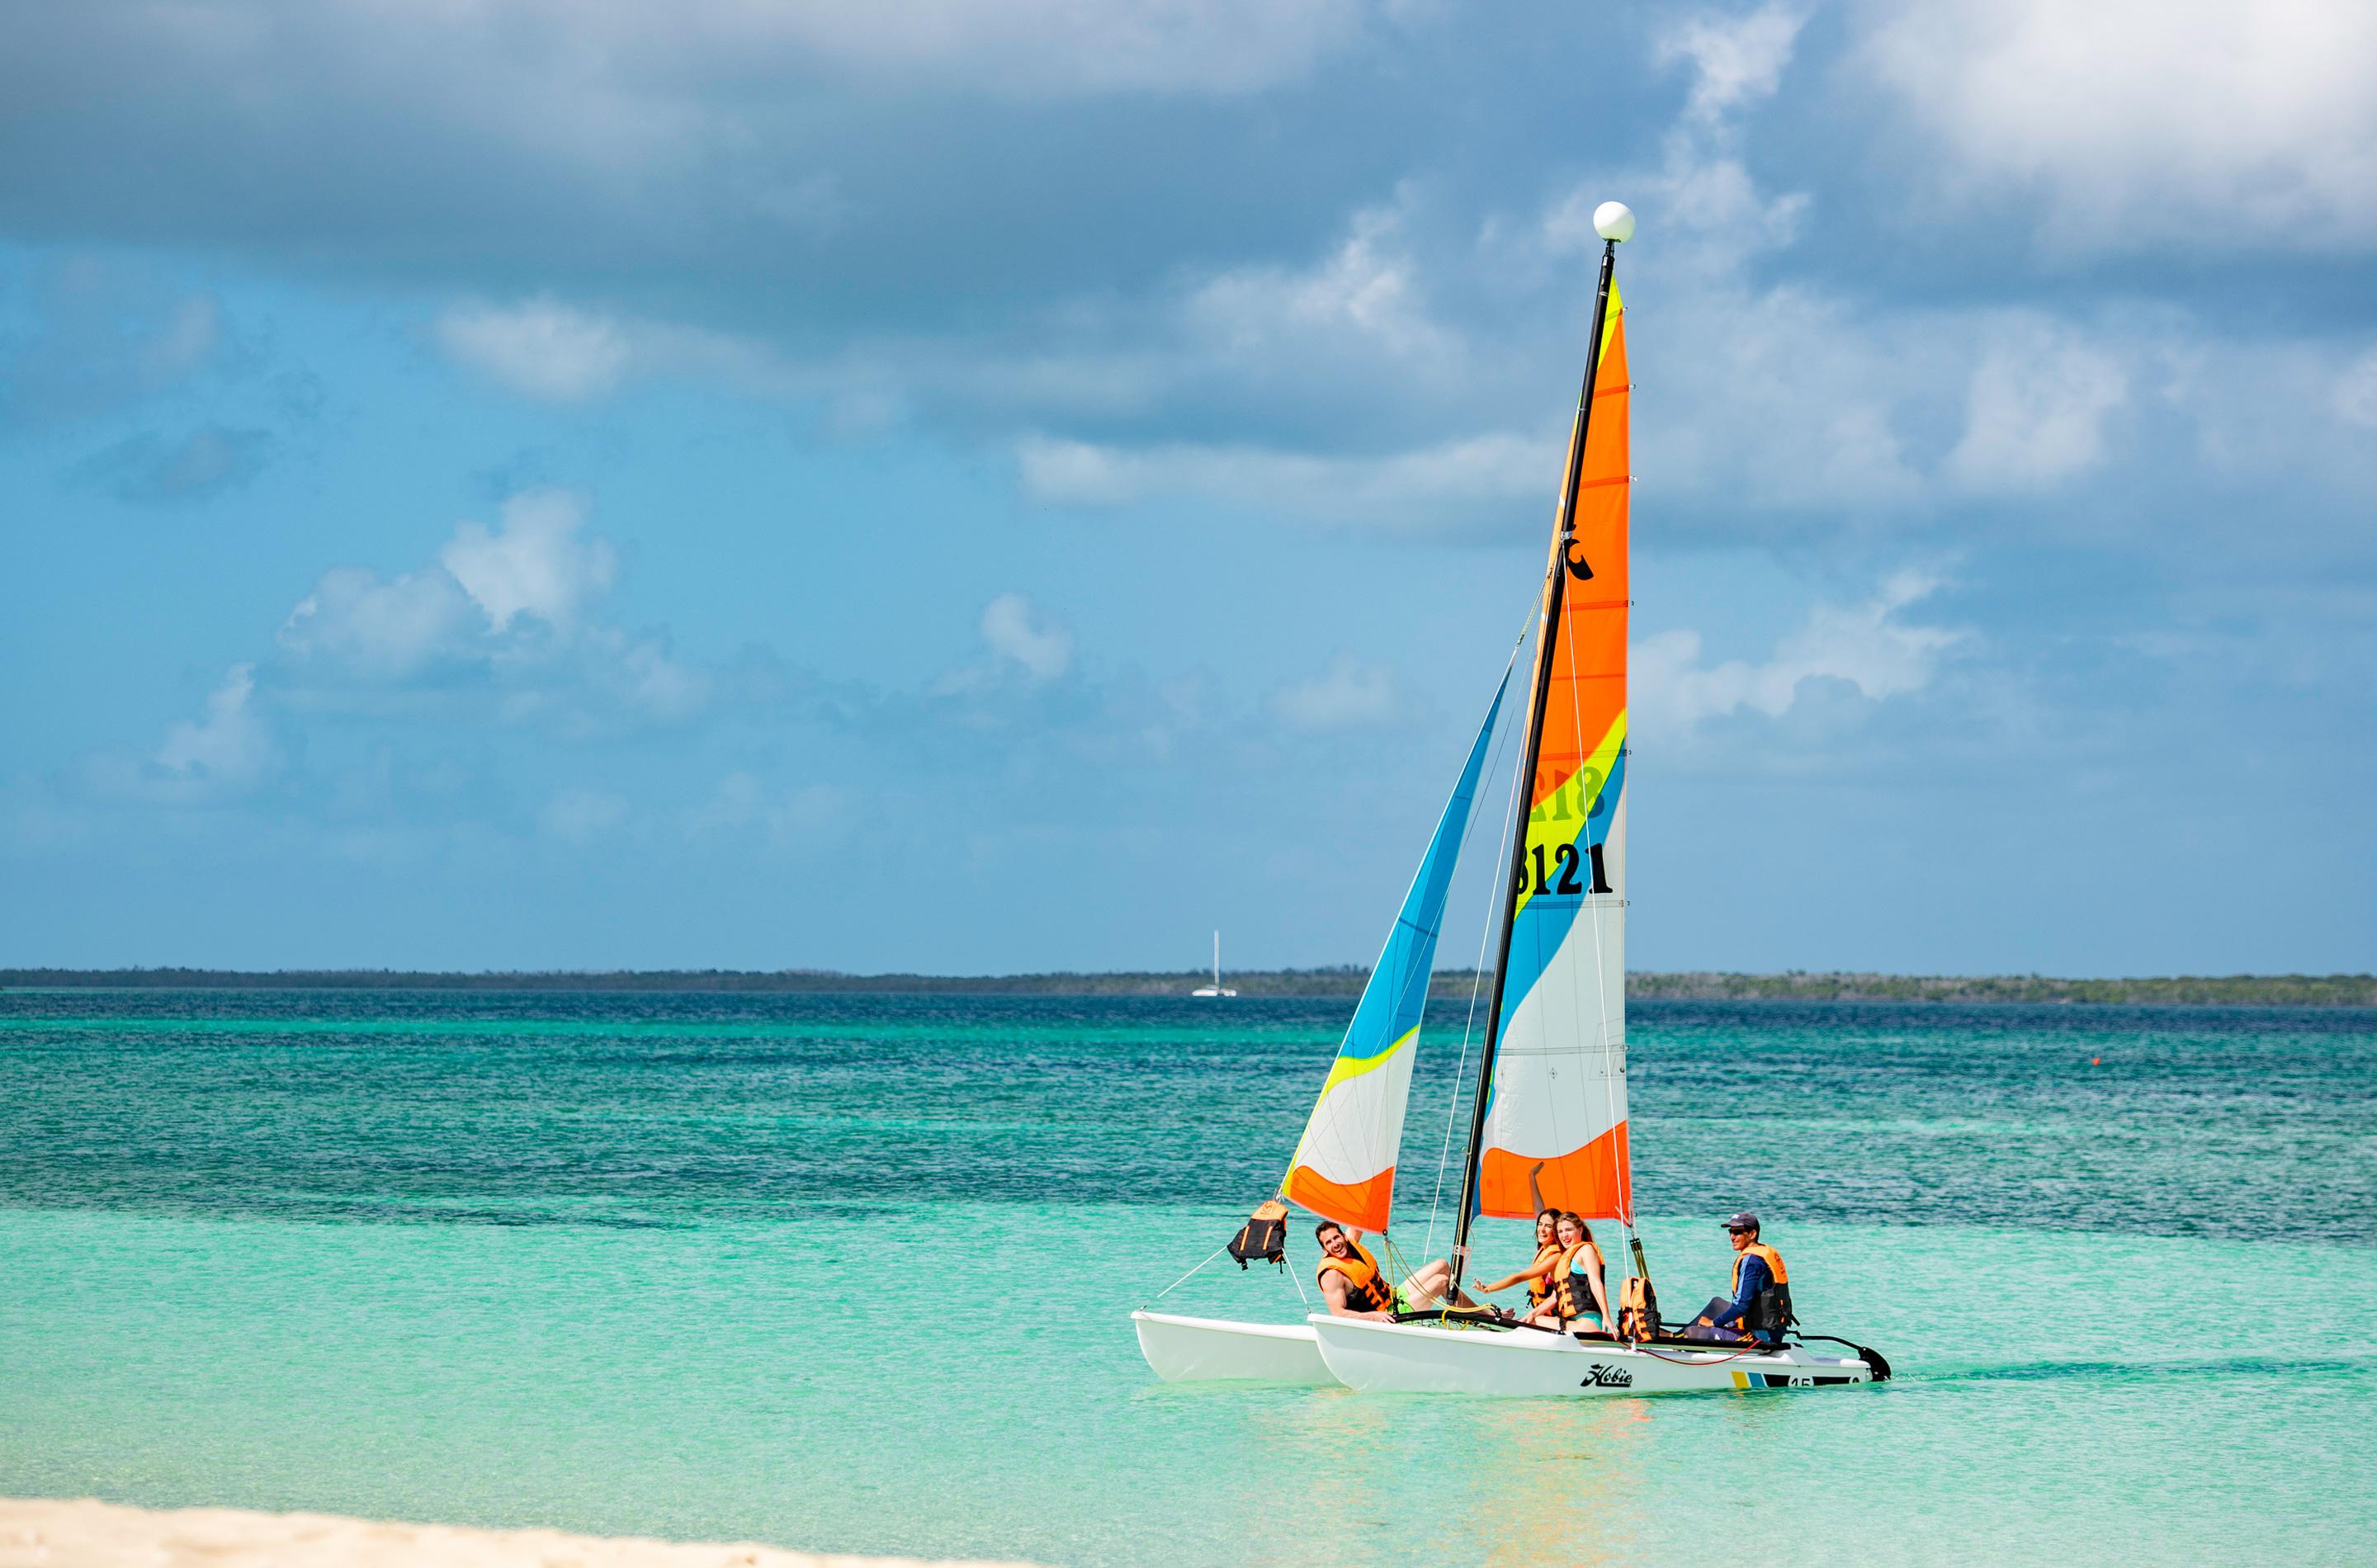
(1560, 1075)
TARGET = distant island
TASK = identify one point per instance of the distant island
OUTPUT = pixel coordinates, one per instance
(2232, 991)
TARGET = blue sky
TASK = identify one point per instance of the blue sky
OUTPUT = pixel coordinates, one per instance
(1019, 485)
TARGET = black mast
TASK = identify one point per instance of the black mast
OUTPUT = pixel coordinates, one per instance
(1555, 593)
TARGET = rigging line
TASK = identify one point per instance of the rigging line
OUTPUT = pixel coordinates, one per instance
(1185, 1278)
(1700, 1361)
(1337, 1126)
(1484, 935)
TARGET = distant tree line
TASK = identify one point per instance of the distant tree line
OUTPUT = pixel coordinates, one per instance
(2238, 990)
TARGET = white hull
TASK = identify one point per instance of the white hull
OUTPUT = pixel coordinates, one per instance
(1377, 1358)
(1213, 1350)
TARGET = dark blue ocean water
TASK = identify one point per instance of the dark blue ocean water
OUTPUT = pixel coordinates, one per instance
(664, 1109)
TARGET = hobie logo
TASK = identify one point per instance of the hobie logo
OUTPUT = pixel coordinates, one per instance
(1578, 568)
(1599, 1376)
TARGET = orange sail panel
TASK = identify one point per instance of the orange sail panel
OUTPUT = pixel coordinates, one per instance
(1559, 1106)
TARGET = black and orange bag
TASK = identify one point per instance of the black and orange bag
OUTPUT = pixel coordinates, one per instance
(1264, 1236)
(1638, 1309)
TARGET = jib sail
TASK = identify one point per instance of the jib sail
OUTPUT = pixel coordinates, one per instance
(1344, 1164)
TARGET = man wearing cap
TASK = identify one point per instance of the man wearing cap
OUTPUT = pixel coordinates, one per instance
(1759, 1307)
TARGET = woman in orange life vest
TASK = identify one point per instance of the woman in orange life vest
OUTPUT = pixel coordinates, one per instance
(1539, 1275)
(1578, 1301)
(1355, 1286)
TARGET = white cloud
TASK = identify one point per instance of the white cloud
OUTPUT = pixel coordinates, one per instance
(540, 348)
(515, 609)
(549, 350)
(1784, 398)
(1780, 396)
(1347, 695)
(644, 678)
(581, 816)
(1436, 486)
(1734, 59)
(505, 629)
(2035, 409)
(1363, 296)
(2355, 392)
(2035, 412)
(1868, 645)
(1060, 46)
(2142, 122)
(382, 629)
(1709, 214)
(227, 750)
(782, 819)
(1014, 631)
(536, 565)
(185, 343)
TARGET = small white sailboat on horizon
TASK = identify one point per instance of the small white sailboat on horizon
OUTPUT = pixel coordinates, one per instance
(1216, 988)
(1549, 1124)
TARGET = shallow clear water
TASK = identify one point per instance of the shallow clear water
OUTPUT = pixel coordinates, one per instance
(854, 1272)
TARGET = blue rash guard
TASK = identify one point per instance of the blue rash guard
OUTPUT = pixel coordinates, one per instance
(1755, 1277)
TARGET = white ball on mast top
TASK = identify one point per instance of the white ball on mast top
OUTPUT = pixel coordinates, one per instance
(1614, 221)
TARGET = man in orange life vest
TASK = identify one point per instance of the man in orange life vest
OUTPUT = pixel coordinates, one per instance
(1355, 1286)
(1759, 1307)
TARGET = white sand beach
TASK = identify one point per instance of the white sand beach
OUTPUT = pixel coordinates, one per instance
(84, 1533)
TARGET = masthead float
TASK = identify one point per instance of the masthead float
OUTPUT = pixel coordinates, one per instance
(1547, 1125)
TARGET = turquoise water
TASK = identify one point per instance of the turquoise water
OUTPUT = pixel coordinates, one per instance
(854, 1272)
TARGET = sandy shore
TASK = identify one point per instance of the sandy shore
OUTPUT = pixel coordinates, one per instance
(87, 1534)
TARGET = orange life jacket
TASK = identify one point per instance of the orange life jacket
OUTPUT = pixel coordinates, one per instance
(1773, 1263)
(1576, 1296)
(1366, 1289)
(1770, 1313)
(1543, 1286)
(1638, 1309)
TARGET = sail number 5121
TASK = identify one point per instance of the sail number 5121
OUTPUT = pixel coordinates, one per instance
(1557, 878)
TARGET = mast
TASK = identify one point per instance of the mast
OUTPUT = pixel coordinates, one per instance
(1217, 961)
(1555, 588)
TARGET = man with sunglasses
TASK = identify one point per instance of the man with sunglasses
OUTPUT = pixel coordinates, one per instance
(1759, 1307)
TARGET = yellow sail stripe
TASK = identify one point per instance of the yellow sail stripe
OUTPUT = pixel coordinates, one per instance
(1354, 1067)
(1549, 823)
(1344, 1069)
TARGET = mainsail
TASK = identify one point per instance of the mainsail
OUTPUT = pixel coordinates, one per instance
(1554, 1109)
(1344, 1164)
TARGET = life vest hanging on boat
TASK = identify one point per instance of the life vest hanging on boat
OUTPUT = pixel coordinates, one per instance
(1366, 1289)
(1638, 1309)
(1263, 1235)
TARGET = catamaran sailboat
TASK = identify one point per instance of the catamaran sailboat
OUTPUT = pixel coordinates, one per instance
(1216, 988)
(1547, 1126)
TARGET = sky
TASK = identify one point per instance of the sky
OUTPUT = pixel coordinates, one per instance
(990, 485)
